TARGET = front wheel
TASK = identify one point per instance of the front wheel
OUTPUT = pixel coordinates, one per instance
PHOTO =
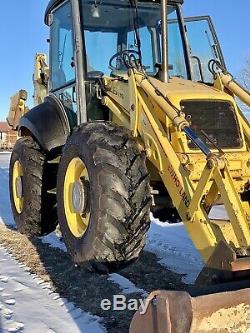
(103, 197)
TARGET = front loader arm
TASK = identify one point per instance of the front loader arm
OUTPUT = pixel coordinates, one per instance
(224, 80)
(228, 82)
(193, 204)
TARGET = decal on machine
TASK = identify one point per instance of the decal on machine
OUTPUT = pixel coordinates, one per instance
(116, 92)
(177, 183)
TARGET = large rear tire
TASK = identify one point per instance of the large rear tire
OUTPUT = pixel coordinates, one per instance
(30, 179)
(103, 197)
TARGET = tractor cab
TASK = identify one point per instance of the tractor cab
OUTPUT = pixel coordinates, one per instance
(113, 35)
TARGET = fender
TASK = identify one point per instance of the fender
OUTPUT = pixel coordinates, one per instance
(48, 123)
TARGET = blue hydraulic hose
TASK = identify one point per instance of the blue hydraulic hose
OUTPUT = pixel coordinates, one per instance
(196, 140)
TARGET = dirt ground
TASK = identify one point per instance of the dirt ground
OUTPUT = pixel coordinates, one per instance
(83, 288)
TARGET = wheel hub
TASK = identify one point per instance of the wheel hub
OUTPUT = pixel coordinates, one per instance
(79, 197)
(76, 197)
(19, 187)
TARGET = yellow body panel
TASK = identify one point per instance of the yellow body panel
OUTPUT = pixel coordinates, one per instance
(179, 89)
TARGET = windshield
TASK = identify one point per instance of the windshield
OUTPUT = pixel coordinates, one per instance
(110, 27)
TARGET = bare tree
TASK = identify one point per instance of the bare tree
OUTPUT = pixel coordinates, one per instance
(245, 74)
(244, 79)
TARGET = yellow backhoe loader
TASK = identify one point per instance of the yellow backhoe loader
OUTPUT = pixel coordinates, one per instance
(140, 115)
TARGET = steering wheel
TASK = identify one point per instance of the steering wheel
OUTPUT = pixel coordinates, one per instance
(125, 57)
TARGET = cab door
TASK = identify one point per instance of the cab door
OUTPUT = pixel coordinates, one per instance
(62, 65)
(203, 46)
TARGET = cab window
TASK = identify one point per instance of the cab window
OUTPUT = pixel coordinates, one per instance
(62, 52)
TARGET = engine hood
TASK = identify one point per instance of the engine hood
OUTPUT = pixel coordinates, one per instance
(177, 90)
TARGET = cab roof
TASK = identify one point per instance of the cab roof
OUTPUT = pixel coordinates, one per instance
(54, 3)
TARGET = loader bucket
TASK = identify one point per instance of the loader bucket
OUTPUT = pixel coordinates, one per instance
(178, 312)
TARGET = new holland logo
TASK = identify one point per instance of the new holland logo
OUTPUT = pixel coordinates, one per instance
(179, 187)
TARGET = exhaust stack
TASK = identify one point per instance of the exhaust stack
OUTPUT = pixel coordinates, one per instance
(164, 40)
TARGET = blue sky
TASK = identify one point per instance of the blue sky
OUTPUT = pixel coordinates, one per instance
(23, 33)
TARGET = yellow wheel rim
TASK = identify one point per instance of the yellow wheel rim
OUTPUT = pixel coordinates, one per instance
(17, 186)
(76, 196)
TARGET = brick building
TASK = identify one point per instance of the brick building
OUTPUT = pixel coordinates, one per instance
(8, 137)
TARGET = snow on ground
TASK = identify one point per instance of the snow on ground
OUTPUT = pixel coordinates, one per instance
(126, 286)
(5, 210)
(25, 305)
(172, 245)
(174, 248)
(54, 241)
(4, 159)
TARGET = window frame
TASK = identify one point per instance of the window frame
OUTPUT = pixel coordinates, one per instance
(73, 81)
